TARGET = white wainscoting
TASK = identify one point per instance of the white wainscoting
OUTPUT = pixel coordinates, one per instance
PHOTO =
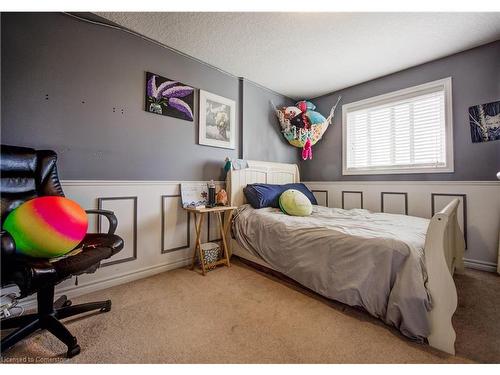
(157, 232)
(479, 211)
(159, 236)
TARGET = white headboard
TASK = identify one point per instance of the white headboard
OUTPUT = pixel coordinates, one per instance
(258, 172)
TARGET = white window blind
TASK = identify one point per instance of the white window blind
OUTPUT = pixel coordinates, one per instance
(401, 132)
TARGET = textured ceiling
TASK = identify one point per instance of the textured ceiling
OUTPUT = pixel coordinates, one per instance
(304, 55)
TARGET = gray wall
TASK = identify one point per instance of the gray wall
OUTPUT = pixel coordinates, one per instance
(262, 138)
(475, 79)
(87, 70)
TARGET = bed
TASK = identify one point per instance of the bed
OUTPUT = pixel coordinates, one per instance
(399, 268)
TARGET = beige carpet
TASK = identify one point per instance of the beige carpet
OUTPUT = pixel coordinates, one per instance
(239, 315)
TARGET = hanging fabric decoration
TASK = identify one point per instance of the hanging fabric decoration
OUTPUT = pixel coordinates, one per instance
(302, 126)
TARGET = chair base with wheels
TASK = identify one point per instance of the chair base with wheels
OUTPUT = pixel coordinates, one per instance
(47, 317)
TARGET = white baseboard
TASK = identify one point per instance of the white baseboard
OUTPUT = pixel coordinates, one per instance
(480, 265)
(86, 288)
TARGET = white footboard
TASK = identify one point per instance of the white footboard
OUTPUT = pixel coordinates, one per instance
(444, 250)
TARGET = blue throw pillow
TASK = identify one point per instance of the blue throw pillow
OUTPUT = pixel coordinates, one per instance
(268, 195)
(263, 195)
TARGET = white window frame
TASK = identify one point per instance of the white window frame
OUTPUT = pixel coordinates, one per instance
(393, 97)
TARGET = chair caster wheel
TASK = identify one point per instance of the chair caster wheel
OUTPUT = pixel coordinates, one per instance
(107, 307)
(73, 351)
(67, 303)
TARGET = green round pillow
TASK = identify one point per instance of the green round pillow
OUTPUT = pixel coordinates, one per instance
(295, 203)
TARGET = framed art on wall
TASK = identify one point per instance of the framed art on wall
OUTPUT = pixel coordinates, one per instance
(484, 120)
(217, 120)
(168, 98)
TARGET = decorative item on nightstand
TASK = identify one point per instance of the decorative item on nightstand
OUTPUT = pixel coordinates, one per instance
(194, 195)
(211, 253)
(221, 198)
(211, 194)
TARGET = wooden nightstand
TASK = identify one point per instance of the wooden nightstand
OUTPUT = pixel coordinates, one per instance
(199, 215)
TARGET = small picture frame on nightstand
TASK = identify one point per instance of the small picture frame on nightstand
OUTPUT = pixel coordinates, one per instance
(194, 195)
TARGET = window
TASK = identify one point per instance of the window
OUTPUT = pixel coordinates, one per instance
(407, 131)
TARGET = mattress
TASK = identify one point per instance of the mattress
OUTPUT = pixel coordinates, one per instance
(371, 260)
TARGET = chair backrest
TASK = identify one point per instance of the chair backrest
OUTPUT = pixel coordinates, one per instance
(26, 174)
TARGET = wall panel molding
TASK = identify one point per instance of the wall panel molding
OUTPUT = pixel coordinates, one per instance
(479, 214)
(483, 199)
(326, 196)
(393, 193)
(163, 228)
(100, 201)
(407, 182)
(344, 192)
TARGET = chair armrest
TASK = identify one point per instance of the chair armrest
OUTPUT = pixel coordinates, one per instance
(8, 245)
(113, 221)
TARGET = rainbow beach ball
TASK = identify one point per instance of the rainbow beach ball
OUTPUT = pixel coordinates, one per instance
(47, 227)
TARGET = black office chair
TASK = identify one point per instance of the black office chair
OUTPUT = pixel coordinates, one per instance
(27, 174)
